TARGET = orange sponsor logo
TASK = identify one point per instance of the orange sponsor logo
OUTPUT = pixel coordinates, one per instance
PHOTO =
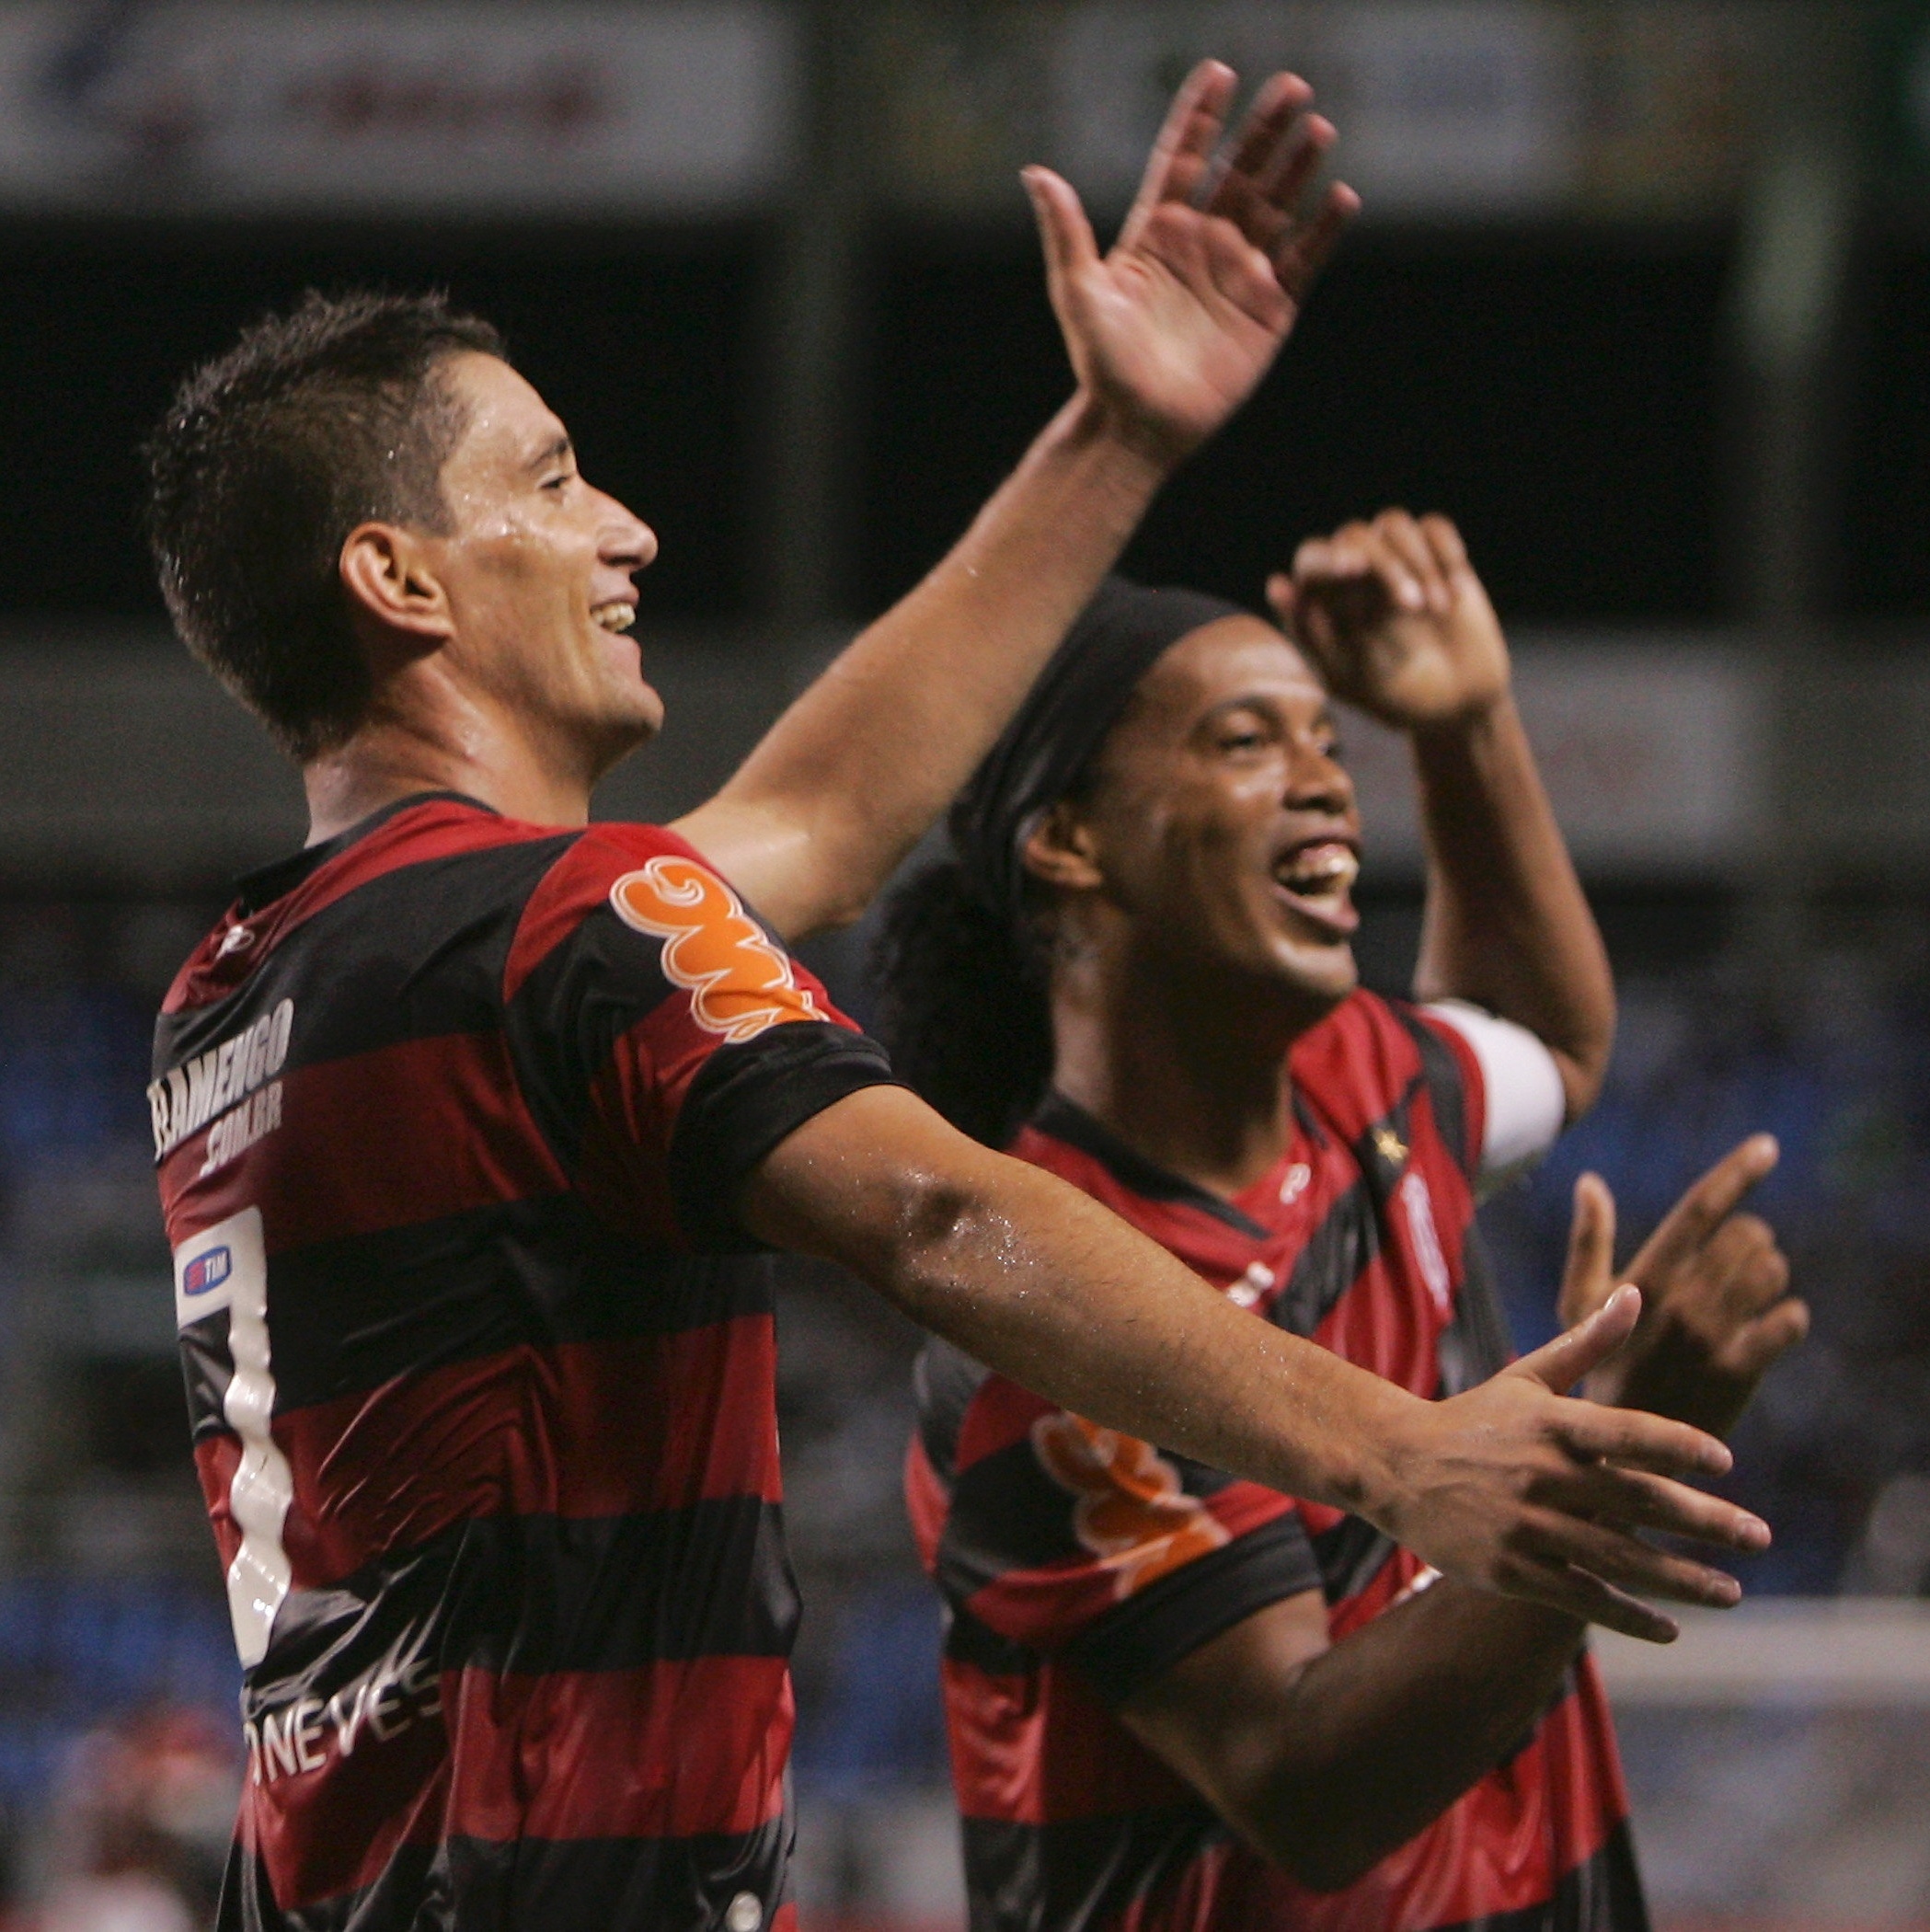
(737, 982)
(1133, 1512)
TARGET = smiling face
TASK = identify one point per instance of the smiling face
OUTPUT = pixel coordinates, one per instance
(1219, 831)
(537, 566)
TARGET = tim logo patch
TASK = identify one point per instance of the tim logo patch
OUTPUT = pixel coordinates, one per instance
(739, 983)
(206, 1272)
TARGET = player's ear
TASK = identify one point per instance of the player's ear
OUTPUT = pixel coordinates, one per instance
(1061, 850)
(388, 575)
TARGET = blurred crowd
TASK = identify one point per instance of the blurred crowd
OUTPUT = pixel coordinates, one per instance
(118, 1741)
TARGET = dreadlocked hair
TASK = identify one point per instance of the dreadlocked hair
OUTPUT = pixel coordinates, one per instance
(961, 1005)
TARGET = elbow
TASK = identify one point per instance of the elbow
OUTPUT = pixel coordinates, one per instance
(934, 1213)
(1583, 1075)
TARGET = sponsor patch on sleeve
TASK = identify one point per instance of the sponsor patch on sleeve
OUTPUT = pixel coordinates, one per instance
(739, 984)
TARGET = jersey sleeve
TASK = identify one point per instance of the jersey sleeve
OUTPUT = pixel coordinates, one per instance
(1522, 1104)
(664, 1038)
(1067, 1538)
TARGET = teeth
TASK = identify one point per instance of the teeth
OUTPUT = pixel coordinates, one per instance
(615, 616)
(1325, 869)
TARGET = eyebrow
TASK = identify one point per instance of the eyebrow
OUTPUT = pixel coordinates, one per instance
(1264, 701)
(551, 453)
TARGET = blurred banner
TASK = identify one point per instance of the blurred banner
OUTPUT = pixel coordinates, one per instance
(1656, 751)
(1655, 755)
(1482, 109)
(217, 107)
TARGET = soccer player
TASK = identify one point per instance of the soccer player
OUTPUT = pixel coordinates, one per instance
(471, 1115)
(1177, 1699)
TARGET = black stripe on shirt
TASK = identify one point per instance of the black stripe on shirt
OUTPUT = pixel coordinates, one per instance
(532, 1594)
(748, 1097)
(415, 953)
(346, 1316)
(480, 1885)
(1139, 1640)
(1078, 1875)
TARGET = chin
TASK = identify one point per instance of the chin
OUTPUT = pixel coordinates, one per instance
(1324, 979)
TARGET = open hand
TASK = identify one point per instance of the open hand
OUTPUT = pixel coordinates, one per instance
(1395, 621)
(1717, 1309)
(1514, 1488)
(1170, 332)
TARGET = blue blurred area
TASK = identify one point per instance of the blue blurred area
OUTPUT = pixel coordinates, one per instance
(78, 1651)
(877, 1720)
(1837, 1071)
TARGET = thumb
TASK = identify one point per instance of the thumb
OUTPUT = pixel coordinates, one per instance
(1282, 597)
(1561, 1364)
(1063, 231)
(1590, 1272)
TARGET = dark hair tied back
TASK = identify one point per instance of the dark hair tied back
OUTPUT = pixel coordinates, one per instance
(962, 1006)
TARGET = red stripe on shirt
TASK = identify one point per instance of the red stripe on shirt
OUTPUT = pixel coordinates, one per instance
(672, 1749)
(1039, 1748)
(530, 1431)
(406, 1133)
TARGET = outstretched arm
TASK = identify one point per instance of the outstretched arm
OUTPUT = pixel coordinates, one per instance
(1167, 334)
(1510, 1485)
(1396, 620)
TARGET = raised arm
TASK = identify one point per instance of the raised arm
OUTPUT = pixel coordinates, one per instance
(1167, 334)
(1398, 623)
(1508, 1486)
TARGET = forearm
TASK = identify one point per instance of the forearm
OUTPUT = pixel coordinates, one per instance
(1507, 923)
(1040, 1282)
(1392, 1725)
(845, 783)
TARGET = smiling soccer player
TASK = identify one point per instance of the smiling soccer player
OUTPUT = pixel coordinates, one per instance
(1179, 1702)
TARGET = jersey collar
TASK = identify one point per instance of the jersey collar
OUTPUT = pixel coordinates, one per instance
(1064, 1120)
(268, 883)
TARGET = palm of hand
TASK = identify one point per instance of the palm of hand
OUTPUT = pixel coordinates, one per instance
(1176, 330)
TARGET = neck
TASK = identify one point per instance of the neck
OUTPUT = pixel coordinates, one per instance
(1191, 1074)
(455, 746)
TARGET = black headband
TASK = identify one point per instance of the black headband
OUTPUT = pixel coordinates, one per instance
(1116, 640)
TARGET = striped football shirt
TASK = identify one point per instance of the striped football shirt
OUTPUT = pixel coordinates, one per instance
(1079, 1564)
(450, 1114)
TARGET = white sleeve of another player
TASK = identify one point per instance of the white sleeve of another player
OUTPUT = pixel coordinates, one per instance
(1526, 1104)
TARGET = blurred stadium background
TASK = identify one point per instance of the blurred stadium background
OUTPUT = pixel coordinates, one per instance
(1642, 297)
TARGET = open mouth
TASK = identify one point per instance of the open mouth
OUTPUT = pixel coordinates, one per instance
(615, 616)
(1316, 878)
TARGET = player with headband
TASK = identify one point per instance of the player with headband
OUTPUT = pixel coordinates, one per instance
(1176, 1700)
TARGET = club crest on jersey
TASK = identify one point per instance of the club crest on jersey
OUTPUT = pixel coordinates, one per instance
(739, 983)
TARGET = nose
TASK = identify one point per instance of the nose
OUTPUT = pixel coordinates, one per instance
(1317, 781)
(626, 541)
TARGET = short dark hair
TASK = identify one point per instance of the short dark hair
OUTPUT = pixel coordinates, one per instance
(313, 423)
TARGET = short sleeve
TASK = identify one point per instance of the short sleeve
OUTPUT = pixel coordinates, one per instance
(665, 1039)
(1523, 1104)
(1067, 1538)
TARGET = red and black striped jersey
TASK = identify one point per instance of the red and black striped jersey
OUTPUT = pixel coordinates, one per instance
(1079, 1564)
(450, 1113)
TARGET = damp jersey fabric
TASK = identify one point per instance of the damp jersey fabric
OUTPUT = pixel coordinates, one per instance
(450, 1114)
(1078, 1564)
